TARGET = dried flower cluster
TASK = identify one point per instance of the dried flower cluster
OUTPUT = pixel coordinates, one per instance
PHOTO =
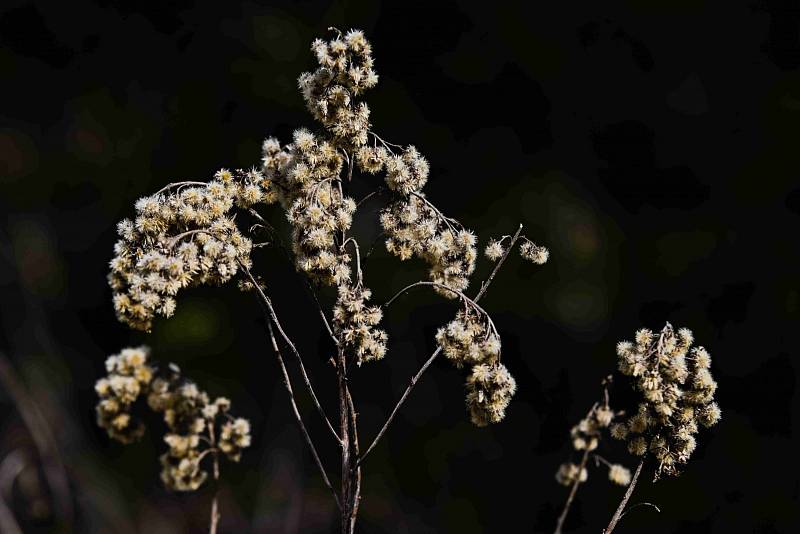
(181, 237)
(344, 72)
(416, 228)
(471, 339)
(128, 376)
(489, 391)
(678, 392)
(586, 436)
(527, 249)
(306, 174)
(197, 426)
(353, 322)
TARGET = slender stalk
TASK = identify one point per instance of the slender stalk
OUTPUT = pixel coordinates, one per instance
(267, 302)
(621, 508)
(215, 515)
(179, 184)
(309, 287)
(347, 517)
(356, 468)
(212, 441)
(573, 490)
(287, 382)
(484, 287)
(402, 400)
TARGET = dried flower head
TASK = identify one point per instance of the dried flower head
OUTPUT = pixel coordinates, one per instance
(469, 339)
(677, 396)
(417, 228)
(354, 323)
(184, 236)
(587, 435)
(489, 391)
(128, 376)
(534, 253)
(197, 427)
(619, 474)
(569, 473)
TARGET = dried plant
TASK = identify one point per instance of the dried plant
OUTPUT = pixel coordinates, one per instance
(677, 397)
(192, 233)
(586, 438)
(197, 427)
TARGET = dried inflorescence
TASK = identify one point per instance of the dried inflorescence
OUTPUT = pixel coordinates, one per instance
(489, 391)
(678, 396)
(306, 174)
(354, 324)
(345, 71)
(183, 236)
(416, 228)
(528, 250)
(197, 426)
(128, 376)
(586, 436)
(471, 339)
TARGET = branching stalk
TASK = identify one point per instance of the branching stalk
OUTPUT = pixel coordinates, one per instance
(621, 508)
(484, 287)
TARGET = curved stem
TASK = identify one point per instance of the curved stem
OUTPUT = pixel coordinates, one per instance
(461, 295)
(288, 384)
(573, 490)
(178, 184)
(309, 287)
(484, 287)
(447, 220)
(620, 509)
(274, 318)
(359, 274)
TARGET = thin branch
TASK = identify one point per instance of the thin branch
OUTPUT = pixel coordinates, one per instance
(573, 490)
(179, 184)
(402, 400)
(354, 443)
(287, 382)
(461, 295)
(274, 318)
(215, 515)
(619, 512)
(484, 287)
(309, 287)
(640, 504)
(359, 273)
(369, 195)
(447, 220)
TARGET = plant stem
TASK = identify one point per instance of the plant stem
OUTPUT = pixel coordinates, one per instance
(215, 515)
(620, 509)
(274, 320)
(350, 485)
(484, 287)
(288, 384)
(573, 490)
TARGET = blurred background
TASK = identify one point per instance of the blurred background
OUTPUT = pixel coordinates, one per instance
(652, 146)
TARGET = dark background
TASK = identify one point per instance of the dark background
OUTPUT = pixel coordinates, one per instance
(652, 146)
